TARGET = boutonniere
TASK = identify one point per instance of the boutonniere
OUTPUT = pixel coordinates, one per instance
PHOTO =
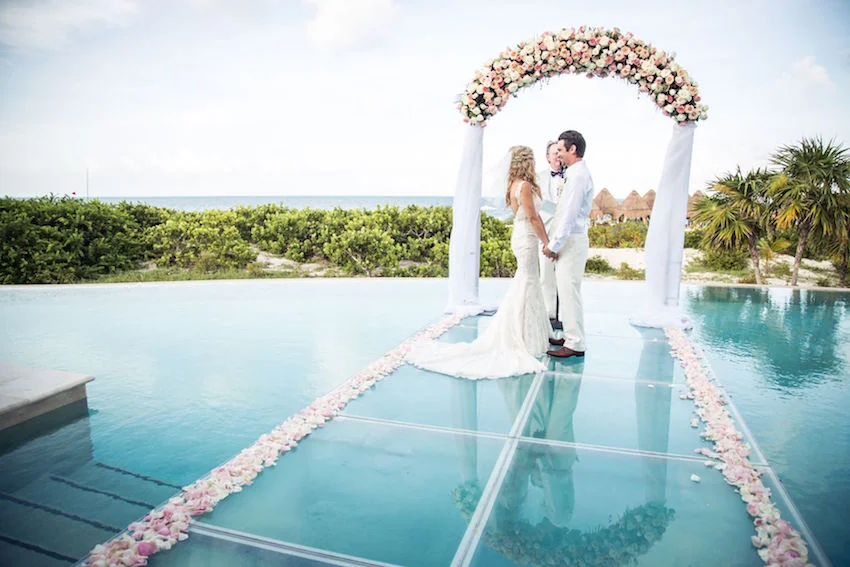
(560, 187)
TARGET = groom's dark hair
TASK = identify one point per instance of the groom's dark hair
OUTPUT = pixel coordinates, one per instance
(573, 138)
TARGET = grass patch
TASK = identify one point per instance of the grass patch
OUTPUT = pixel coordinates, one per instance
(172, 275)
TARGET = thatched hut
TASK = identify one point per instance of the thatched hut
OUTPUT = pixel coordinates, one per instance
(692, 200)
(605, 207)
(649, 198)
(635, 208)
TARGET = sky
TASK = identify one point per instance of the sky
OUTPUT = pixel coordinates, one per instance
(357, 97)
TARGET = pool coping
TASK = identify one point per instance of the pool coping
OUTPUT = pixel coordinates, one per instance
(27, 393)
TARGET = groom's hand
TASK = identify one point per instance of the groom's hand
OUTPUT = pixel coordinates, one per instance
(549, 254)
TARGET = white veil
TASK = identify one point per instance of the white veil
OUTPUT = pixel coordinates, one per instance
(495, 183)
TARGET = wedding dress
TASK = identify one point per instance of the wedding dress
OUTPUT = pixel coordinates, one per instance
(519, 332)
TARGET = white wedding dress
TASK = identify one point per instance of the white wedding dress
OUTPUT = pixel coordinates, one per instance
(519, 332)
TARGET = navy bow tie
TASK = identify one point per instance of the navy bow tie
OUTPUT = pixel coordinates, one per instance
(556, 173)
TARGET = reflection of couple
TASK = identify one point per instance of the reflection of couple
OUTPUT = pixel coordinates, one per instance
(549, 471)
(521, 330)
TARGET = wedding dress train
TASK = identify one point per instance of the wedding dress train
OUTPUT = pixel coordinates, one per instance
(519, 332)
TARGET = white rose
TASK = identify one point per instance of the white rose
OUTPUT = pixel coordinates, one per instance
(665, 73)
(512, 88)
(670, 108)
(661, 98)
(680, 117)
(604, 41)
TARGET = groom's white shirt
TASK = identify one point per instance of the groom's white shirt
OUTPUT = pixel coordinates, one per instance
(573, 213)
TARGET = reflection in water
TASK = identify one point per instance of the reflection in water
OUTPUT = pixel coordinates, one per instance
(653, 416)
(529, 534)
(802, 337)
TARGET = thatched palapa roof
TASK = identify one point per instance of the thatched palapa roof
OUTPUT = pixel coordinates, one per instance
(634, 207)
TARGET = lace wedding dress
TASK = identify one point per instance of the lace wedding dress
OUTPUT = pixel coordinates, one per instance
(519, 332)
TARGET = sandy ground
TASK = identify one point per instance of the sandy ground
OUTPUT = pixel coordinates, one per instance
(810, 272)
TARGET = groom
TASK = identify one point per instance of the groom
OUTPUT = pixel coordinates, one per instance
(551, 183)
(568, 243)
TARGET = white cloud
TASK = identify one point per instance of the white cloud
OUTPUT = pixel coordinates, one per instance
(47, 24)
(346, 23)
(805, 74)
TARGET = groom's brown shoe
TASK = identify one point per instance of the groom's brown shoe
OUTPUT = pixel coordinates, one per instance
(556, 342)
(564, 352)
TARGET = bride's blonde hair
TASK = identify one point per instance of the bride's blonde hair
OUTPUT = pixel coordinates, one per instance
(522, 169)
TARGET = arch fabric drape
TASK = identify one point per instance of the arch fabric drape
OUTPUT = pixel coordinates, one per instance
(465, 244)
(665, 240)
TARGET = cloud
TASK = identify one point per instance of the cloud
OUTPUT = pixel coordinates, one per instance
(47, 24)
(347, 23)
(248, 10)
(806, 73)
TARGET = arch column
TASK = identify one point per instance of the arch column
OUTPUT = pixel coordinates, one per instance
(465, 243)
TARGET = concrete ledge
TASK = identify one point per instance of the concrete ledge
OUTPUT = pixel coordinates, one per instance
(26, 393)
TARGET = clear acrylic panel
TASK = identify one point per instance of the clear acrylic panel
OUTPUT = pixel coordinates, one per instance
(379, 492)
(417, 396)
(568, 506)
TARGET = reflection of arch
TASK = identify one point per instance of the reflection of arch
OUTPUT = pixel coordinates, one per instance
(653, 415)
(551, 541)
(595, 52)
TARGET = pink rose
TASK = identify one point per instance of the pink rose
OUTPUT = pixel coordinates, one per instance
(146, 548)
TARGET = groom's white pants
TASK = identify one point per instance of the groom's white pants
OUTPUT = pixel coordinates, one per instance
(569, 271)
(547, 282)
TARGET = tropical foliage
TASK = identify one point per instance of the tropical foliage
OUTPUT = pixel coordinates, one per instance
(803, 202)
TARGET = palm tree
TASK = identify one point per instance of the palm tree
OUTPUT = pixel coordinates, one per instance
(809, 193)
(836, 247)
(769, 249)
(736, 213)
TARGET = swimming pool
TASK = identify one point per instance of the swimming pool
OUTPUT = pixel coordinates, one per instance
(189, 373)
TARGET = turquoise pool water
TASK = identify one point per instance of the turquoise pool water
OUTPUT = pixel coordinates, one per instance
(187, 374)
(784, 357)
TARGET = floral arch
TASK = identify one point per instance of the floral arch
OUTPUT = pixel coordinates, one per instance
(593, 52)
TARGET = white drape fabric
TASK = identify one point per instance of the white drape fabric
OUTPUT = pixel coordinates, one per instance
(465, 244)
(665, 239)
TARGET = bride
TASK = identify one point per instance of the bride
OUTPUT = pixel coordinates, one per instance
(520, 331)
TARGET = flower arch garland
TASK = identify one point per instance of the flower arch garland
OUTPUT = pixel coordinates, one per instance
(594, 52)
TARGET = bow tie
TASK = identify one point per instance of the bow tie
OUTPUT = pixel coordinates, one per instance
(556, 173)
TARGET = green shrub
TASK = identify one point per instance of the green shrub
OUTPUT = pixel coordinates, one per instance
(780, 269)
(626, 272)
(724, 260)
(598, 265)
(630, 234)
(363, 251)
(694, 237)
(62, 240)
(205, 241)
(823, 282)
